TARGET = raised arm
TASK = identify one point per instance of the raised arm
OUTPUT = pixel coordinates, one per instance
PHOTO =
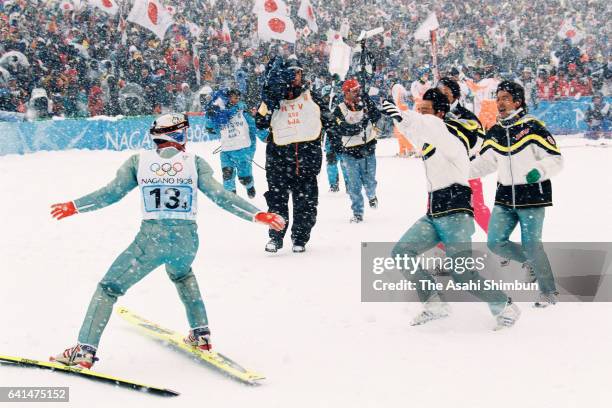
(421, 129)
(124, 182)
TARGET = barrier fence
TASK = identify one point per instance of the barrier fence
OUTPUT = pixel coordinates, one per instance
(21, 137)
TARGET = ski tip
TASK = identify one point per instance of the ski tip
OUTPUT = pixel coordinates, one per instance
(171, 393)
(161, 392)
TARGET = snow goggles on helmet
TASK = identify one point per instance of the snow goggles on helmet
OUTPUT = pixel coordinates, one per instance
(178, 136)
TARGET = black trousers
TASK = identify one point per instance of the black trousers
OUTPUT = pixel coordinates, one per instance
(304, 191)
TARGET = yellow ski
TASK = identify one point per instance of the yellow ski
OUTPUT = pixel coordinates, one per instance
(175, 339)
(93, 375)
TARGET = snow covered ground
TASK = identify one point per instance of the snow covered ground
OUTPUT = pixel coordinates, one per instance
(297, 318)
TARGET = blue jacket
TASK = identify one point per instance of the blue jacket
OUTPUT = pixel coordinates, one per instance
(217, 118)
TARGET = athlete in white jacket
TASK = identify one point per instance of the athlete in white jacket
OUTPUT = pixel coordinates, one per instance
(449, 218)
(525, 156)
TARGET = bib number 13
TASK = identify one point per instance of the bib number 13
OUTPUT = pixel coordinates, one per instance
(167, 198)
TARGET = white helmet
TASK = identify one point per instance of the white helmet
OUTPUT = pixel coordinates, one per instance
(170, 128)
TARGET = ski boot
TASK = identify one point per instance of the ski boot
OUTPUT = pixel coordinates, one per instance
(356, 219)
(546, 299)
(508, 316)
(435, 308)
(334, 188)
(373, 203)
(199, 338)
(251, 192)
(298, 249)
(273, 246)
(81, 355)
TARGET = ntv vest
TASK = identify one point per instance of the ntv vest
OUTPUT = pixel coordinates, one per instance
(354, 117)
(296, 121)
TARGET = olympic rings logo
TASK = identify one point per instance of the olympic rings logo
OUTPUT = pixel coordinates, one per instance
(166, 168)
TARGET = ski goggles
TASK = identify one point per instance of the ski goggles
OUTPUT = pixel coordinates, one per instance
(178, 136)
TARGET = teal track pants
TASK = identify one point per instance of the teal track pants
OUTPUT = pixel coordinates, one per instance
(455, 232)
(531, 250)
(173, 243)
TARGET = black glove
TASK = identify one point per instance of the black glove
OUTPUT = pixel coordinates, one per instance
(389, 109)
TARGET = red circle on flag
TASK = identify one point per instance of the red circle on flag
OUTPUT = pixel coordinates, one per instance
(277, 25)
(310, 13)
(107, 3)
(152, 12)
(270, 6)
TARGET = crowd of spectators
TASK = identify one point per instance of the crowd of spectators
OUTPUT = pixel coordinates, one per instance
(83, 62)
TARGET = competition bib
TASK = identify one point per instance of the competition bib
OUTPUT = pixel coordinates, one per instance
(235, 135)
(168, 186)
(297, 120)
(353, 117)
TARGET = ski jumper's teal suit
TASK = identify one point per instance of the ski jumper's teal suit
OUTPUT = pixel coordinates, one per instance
(168, 233)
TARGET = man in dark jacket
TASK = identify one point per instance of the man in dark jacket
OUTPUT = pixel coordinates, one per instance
(354, 135)
(295, 117)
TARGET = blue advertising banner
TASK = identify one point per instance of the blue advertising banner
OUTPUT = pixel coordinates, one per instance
(19, 137)
(93, 134)
(565, 116)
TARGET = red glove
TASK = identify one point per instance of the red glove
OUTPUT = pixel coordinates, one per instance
(63, 210)
(274, 221)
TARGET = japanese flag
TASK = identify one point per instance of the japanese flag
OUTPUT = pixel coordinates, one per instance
(108, 6)
(333, 35)
(226, 36)
(306, 12)
(273, 21)
(423, 32)
(66, 5)
(275, 27)
(152, 15)
(568, 30)
(271, 6)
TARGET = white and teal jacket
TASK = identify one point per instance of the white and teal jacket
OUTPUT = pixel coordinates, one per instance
(168, 188)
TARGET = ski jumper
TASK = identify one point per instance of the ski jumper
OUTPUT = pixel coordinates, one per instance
(168, 233)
